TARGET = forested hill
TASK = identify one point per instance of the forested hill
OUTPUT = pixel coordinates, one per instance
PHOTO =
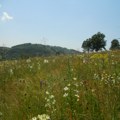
(32, 50)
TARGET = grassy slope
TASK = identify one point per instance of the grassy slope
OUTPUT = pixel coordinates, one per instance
(92, 80)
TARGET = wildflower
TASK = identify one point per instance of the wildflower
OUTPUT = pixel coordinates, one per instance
(30, 66)
(113, 81)
(118, 78)
(1, 114)
(65, 95)
(50, 102)
(16, 61)
(41, 117)
(48, 105)
(69, 85)
(46, 61)
(74, 78)
(39, 66)
(54, 110)
(11, 71)
(81, 83)
(66, 88)
(76, 84)
(77, 95)
(47, 100)
(34, 118)
(28, 60)
(93, 90)
(51, 96)
(96, 76)
(84, 61)
(76, 91)
(54, 101)
(47, 92)
(44, 117)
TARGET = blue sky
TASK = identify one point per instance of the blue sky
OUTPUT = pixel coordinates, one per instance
(65, 23)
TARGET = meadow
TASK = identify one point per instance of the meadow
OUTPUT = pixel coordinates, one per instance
(65, 87)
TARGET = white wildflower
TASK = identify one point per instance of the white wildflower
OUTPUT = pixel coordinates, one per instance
(81, 83)
(34, 118)
(30, 66)
(93, 90)
(41, 117)
(54, 110)
(76, 84)
(69, 85)
(48, 105)
(51, 96)
(47, 93)
(76, 91)
(48, 100)
(16, 61)
(77, 95)
(74, 78)
(65, 95)
(28, 60)
(11, 71)
(54, 101)
(66, 88)
(84, 61)
(44, 117)
(46, 61)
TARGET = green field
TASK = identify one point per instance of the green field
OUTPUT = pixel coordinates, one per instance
(73, 87)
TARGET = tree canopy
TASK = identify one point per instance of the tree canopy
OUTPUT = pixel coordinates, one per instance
(115, 44)
(86, 45)
(96, 42)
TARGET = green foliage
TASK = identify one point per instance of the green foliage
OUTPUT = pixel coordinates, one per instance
(96, 42)
(115, 45)
(66, 87)
(87, 45)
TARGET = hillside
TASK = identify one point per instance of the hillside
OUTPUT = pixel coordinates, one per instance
(31, 50)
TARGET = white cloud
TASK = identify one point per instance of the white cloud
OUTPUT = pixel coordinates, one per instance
(6, 17)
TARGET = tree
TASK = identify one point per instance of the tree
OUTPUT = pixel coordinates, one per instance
(98, 42)
(86, 45)
(115, 44)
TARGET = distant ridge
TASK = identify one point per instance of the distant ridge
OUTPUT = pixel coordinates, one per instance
(31, 50)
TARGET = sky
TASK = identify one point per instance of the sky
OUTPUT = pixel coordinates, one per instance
(65, 23)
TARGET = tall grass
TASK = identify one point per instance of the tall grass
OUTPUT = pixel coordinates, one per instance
(74, 87)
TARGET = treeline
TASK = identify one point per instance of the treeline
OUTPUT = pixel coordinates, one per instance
(32, 50)
(97, 42)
